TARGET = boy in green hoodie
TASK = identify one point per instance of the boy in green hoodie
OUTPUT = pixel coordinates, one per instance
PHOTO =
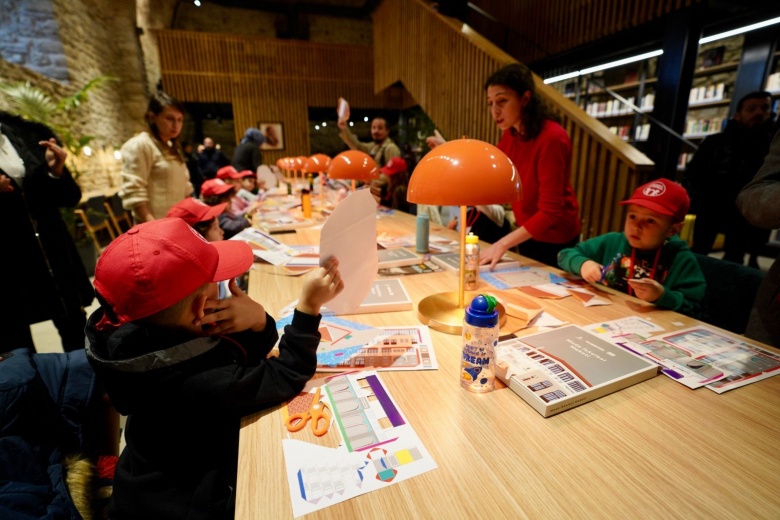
(648, 260)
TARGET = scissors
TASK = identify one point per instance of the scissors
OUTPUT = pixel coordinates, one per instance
(320, 421)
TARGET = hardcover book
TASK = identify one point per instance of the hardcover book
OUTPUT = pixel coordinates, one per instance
(396, 257)
(557, 370)
(386, 295)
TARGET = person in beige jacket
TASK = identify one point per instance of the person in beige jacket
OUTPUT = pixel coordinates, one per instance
(154, 172)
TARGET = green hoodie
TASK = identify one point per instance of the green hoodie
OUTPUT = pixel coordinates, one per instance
(676, 268)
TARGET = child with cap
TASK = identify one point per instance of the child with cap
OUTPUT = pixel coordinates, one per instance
(648, 260)
(215, 192)
(185, 366)
(390, 187)
(201, 216)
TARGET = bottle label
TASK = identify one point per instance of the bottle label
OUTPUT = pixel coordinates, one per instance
(471, 271)
(477, 362)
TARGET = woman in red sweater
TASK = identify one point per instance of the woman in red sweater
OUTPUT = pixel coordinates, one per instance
(548, 218)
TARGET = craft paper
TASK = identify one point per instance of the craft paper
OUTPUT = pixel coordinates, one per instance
(342, 109)
(349, 234)
(379, 447)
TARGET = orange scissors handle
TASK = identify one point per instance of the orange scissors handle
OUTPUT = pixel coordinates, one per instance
(320, 420)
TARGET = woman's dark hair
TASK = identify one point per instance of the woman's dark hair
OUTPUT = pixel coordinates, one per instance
(519, 78)
(157, 103)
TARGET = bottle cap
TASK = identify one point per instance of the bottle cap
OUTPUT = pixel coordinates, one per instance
(482, 311)
(471, 238)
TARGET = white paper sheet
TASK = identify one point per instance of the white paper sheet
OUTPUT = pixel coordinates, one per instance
(349, 234)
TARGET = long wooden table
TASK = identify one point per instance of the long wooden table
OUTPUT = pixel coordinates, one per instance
(655, 450)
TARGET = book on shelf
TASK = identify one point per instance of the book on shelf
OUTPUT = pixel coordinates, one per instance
(396, 257)
(560, 369)
(451, 261)
(386, 295)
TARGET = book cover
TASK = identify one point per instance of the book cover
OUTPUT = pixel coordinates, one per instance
(419, 268)
(451, 261)
(396, 257)
(386, 295)
(557, 370)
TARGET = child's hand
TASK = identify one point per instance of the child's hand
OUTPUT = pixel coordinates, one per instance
(234, 314)
(320, 287)
(647, 289)
(591, 271)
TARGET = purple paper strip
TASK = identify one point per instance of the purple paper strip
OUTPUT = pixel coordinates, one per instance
(384, 400)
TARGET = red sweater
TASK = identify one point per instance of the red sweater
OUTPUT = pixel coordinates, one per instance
(549, 209)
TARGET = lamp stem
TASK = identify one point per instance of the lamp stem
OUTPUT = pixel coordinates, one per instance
(354, 184)
(462, 270)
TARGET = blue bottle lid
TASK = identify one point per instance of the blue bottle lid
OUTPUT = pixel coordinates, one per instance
(482, 311)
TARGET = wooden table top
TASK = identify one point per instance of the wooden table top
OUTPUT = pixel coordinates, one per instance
(656, 449)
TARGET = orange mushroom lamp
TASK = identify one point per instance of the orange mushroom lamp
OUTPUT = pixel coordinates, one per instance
(354, 165)
(463, 172)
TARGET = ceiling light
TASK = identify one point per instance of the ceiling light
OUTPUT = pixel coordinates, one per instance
(741, 30)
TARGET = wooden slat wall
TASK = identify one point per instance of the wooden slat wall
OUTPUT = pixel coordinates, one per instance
(552, 26)
(443, 66)
(270, 80)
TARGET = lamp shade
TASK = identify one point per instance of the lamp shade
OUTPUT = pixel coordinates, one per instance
(300, 162)
(318, 162)
(353, 164)
(465, 172)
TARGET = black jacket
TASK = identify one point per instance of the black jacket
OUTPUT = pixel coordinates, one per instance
(247, 156)
(184, 397)
(44, 273)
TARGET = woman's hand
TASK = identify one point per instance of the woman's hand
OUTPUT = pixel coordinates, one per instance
(234, 314)
(55, 156)
(434, 140)
(321, 286)
(492, 254)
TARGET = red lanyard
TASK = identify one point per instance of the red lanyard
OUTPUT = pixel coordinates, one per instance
(631, 267)
(472, 218)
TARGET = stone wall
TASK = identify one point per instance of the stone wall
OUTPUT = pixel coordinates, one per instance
(29, 36)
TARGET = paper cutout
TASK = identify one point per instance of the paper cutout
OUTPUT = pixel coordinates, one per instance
(349, 234)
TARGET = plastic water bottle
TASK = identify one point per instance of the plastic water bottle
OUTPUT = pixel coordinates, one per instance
(423, 227)
(471, 277)
(480, 336)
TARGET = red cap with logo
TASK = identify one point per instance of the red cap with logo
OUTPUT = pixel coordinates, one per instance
(228, 172)
(214, 187)
(192, 211)
(159, 263)
(246, 173)
(663, 196)
(393, 166)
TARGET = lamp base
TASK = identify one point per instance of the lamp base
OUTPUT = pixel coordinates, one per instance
(441, 312)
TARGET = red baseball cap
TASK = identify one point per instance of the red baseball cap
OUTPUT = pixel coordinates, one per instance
(228, 172)
(214, 187)
(192, 211)
(159, 263)
(663, 196)
(246, 173)
(393, 166)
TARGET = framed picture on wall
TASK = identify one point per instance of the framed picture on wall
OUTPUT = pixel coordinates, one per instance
(274, 136)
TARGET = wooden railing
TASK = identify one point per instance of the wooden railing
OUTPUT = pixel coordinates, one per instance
(270, 80)
(443, 64)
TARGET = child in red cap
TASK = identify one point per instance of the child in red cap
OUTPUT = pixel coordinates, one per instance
(201, 216)
(648, 260)
(185, 366)
(215, 192)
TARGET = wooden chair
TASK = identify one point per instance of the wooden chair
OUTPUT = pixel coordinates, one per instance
(95, 219)
(117, 214)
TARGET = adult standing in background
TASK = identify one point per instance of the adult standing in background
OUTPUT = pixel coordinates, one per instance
(44, 277)
(382, 149)
(247, 154)
(759, 202)
(196, 176)
(548, 218)
(154, 170)
(211, 158)
(722, 165)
